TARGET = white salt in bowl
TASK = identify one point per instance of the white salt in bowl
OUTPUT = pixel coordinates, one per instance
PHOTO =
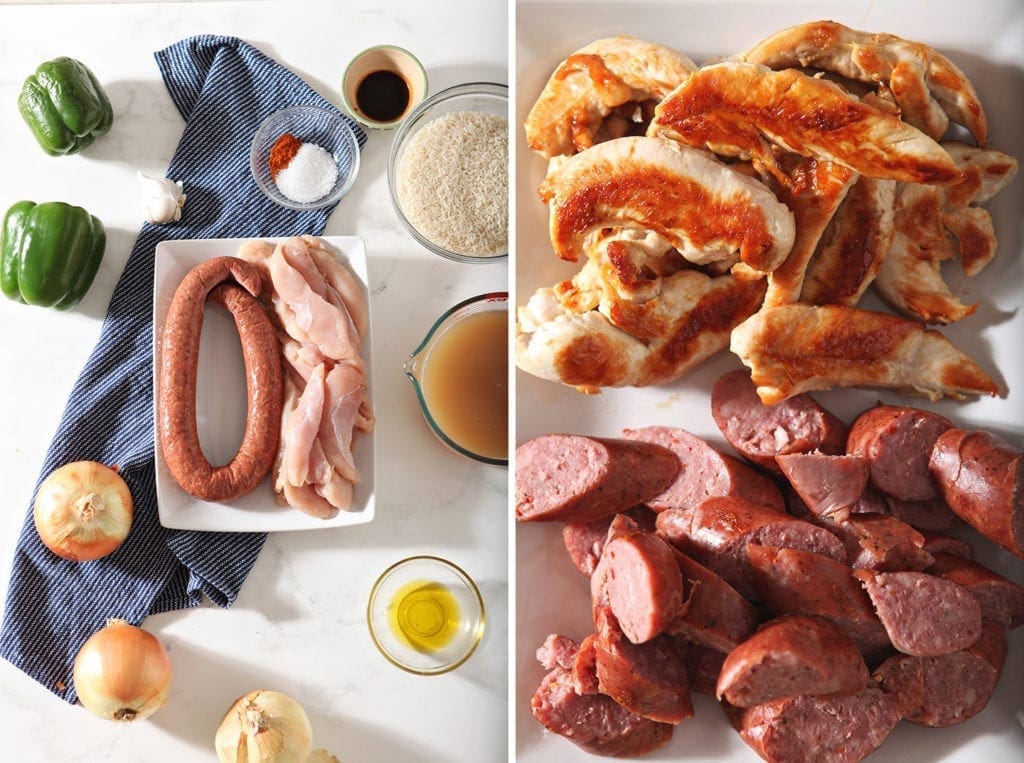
(485, 97)
(310, 124)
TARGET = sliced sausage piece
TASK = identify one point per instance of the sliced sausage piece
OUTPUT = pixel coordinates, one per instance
(897, 442)
(795, 505)
(557, 651)
(621, 526)
(705, 472)
(828, 485)
(643, 586)
(717, 532)
(584, 667)
(820, 729)
(937, 543)
(789, 657)
(1001, 600)
(714, 614)
(881, 542)
(580, 479)
(703, 664)
(648, 679)
(789, 581)
(933, 514)
(594, 722)
(924, 615)
(761, 432)
(957, 686)
(982, 480)
(585, 540)
(901, 676)
(871, 501)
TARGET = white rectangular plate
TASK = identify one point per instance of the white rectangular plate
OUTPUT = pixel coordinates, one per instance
(987, 42)
(221, 404)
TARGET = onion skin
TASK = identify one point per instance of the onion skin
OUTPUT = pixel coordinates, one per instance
(122, 673)
(83, 511)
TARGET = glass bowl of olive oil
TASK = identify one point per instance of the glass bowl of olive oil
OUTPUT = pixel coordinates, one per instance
(425, 615)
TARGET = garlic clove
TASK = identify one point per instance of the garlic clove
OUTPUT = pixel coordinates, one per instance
(162, 198)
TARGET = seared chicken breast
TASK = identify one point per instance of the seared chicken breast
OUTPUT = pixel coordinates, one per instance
(852, 249)
(800, 348)
(742, 109)
(934, 224)
(623, 344)
(604, 90)
(699, 205)
(815, 190)
(928, 87)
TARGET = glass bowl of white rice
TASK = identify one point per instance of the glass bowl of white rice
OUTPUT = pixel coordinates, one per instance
(323, 163)
(448, 172)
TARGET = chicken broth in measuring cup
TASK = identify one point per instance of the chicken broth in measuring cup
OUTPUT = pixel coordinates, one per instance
(461, 373)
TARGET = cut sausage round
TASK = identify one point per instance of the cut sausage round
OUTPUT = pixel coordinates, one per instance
(924, 615)
(828, 485)
(789, 657)
(717, 532)
(937, 543)
(897, 442)
(594, 722)
(901, 676)
(1001, 600)
(820, 729)
(761, 432)
(649, 679)
(643, 586)
(580, 479)
(703, 664)
(932, 515)
(585, 540)
(957, 686)
(705, 472)
(713, 613)
(789, 581)
(584, 667)
(881, 542)
(982, 480)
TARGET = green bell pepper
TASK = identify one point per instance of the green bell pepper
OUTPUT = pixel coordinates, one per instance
(65, 106)
(49, 253)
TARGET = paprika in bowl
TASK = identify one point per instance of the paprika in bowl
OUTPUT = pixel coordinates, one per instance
(305, 157)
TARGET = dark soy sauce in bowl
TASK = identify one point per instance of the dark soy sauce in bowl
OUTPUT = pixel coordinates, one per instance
(383, 95)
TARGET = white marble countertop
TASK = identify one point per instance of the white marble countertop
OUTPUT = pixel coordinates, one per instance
(299, 624)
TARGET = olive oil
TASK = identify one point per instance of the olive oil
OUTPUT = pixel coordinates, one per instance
(424, 615)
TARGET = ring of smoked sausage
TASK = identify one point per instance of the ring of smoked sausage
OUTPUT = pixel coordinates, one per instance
(179, 360)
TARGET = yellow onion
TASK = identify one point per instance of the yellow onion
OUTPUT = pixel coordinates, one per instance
(264, 727)
(122, 673)
(83, 511)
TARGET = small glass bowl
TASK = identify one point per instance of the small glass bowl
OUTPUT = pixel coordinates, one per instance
(310, 124)
(488, 97)
(400, 579)
(390, 58)
(413, 368)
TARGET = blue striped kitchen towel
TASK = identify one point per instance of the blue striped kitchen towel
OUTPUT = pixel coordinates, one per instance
(224, 88)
